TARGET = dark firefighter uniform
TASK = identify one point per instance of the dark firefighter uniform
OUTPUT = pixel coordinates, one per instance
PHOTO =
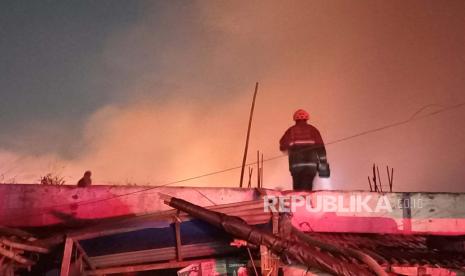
(85, 181)
(307, 153)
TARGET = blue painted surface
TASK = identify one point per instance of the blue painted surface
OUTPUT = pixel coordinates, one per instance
(192, 232)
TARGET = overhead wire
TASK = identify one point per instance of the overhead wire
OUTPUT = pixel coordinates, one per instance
(414, 117)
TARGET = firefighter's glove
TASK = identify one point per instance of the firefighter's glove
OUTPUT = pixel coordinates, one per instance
(323, 169)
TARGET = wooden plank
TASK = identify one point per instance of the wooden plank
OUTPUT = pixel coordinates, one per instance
(146, 267)
(67, 252)
(177, 230)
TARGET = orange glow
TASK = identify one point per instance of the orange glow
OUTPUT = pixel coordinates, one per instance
(352, 66)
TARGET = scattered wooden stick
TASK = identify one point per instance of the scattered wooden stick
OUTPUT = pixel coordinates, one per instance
(12, 255)
(26, 247)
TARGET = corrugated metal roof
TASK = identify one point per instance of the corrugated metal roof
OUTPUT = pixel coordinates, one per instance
(151, 237)
(143, 239)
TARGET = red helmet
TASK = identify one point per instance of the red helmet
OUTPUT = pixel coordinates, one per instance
(301, 115)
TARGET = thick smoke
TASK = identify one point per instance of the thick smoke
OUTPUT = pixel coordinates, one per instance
(353, 66)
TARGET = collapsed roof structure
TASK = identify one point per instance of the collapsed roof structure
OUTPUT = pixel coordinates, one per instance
(108, 230)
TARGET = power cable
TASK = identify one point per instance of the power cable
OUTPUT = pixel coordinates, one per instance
(414, 117)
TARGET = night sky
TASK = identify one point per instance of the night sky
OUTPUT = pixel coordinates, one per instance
(150, 92)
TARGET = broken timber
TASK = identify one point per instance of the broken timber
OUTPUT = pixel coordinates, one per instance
(300, 252)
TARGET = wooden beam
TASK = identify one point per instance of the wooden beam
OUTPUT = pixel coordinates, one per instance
(67, 253)
(147, 267)
(84, 255)
(177, 231)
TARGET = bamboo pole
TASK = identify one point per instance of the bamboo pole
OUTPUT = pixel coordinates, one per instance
(244, 158)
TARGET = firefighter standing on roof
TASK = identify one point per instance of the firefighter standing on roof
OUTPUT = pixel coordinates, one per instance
(307, 153)
(85, 181)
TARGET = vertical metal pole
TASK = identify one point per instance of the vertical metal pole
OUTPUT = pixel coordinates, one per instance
(261, 174)
(392, 179)
(258, 169)
(66, 262)
(244, 159)
(379, 178)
